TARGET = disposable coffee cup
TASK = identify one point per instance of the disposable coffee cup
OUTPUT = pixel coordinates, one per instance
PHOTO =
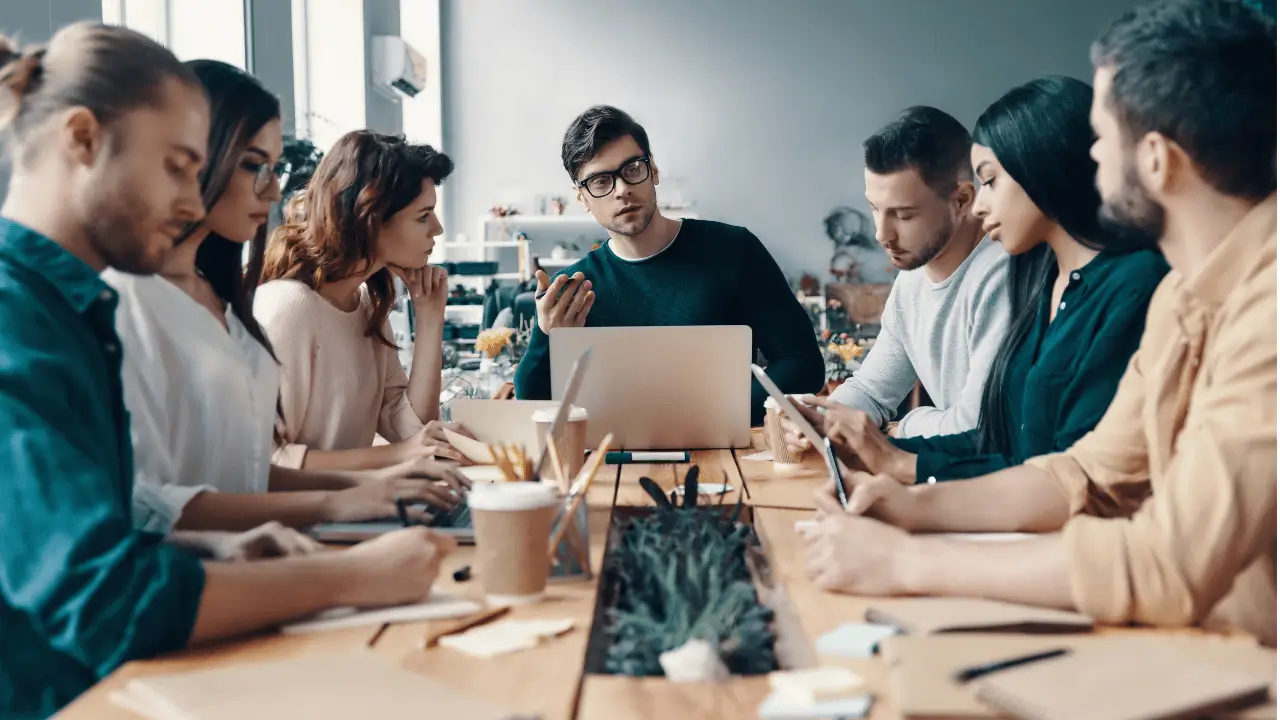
(571, 446)
(513, 527)
(784, 461)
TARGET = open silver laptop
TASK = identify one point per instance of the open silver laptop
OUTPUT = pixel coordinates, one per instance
(354, 532)
(661, 388)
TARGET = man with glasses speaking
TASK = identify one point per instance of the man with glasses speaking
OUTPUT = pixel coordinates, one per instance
(656, 270)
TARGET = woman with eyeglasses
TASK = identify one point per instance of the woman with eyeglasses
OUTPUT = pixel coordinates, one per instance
(367, 216)
(200, 377)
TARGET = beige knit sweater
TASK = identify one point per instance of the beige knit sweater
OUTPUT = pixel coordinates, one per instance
(338, 388)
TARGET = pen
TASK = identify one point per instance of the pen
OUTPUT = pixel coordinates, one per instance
(833, 464)
(978, 671)
(622, 458)
(402, 513)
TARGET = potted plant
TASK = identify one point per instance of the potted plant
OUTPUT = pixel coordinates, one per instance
(680, 575)
(562, 249)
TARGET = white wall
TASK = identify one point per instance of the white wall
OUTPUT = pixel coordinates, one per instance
(32, 21)
(756, 109)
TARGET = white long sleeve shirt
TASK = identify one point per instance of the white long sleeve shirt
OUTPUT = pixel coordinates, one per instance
(945, 334)
(201, 399)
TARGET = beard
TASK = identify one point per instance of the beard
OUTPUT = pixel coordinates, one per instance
(1132, 220)
(916, 260)
(633, 224)
(117, 229)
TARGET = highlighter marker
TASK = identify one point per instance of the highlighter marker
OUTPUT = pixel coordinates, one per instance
(625, 458)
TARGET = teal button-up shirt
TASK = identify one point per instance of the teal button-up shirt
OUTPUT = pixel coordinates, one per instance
(1063, 375)
(80, 591)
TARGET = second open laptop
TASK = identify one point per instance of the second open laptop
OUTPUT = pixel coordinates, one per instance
(661, 388)
(354, 532)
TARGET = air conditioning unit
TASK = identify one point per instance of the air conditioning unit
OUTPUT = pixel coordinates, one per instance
(397, 67)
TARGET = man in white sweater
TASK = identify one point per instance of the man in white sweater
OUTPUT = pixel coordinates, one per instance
(949, 309)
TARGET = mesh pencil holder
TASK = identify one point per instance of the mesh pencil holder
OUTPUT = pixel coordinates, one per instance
(573, 552)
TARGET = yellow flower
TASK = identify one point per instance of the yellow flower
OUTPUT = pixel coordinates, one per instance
(492, 341)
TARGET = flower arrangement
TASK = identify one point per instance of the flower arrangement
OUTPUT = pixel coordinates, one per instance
(841, 355)
(493, 341)
(520, 340)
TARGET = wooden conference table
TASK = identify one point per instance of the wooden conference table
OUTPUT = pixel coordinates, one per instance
(549, 680)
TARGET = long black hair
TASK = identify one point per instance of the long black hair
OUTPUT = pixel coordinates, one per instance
(1040, 133)
(240, 106)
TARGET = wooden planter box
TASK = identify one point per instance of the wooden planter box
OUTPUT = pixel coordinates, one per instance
(658, 697)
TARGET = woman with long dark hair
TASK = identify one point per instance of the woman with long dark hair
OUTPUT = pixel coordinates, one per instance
(200, 376)
(1079, 309)
(367, 217)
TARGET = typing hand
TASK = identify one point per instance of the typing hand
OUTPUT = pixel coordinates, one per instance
(430, 442)
(415, 481)
(265, 541)
(433, 434)
(564, 302)
(396, 568)
(851, 554)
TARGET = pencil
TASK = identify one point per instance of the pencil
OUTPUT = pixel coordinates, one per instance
(433, 638)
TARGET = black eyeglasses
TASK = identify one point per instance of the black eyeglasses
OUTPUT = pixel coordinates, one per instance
(268, 174)
(602, 183)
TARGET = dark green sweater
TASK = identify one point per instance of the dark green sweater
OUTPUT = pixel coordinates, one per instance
(712, 274)
(1064, 374)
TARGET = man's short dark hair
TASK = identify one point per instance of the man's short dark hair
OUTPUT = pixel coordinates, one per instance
(592, 130)
(923, 139)
(1203, 74)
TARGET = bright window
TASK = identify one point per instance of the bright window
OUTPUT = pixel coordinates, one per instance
(328, 69)
(192, 29)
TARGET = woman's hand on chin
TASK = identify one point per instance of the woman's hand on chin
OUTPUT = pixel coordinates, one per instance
(428, 287)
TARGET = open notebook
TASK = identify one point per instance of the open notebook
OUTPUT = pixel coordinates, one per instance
(928, 615)
(1121, 679)
(923, 668)
(332, 687)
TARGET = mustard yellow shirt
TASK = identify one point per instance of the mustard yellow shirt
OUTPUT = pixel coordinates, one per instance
(1174, 491)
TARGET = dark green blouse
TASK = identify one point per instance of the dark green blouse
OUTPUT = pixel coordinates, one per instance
(1064, 374)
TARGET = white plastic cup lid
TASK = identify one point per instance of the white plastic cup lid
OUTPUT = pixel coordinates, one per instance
(511, 496)
(548, 415)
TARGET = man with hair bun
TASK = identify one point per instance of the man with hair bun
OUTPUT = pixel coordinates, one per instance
(108, 135)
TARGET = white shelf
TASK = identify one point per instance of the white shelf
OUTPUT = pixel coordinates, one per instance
(574, 218)
(477, 245)
(541, 219)
(557, 262)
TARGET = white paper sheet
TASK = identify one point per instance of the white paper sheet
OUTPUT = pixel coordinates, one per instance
(438, 607)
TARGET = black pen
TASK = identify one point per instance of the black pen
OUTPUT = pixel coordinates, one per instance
(978, 671)
(833, 465)
(404, 514)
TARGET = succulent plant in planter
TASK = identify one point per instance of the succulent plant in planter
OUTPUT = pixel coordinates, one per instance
(681, 574)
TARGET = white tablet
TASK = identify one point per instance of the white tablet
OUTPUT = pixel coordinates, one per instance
(784, 402)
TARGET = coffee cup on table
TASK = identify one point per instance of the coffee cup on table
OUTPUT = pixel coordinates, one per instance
(512, 524)
(571, 446)
(784, 460)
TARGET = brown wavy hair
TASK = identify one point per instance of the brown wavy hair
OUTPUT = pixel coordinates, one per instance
(330, 230)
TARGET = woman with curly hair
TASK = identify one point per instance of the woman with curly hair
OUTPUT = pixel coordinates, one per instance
(367, 217)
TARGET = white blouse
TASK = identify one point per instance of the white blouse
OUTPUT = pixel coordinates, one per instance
(201, 400)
